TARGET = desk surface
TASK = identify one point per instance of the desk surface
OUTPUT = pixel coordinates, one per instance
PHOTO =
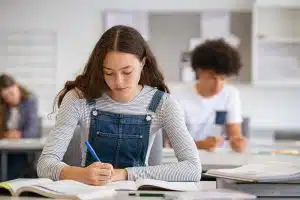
(257, 152)
(22, 144)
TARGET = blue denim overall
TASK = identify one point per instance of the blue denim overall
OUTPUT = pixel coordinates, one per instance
(121, 139)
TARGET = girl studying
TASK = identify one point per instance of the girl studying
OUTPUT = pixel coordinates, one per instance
(122, 102)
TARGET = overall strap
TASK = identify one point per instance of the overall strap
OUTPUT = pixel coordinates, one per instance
(155, 100)
(91, 102)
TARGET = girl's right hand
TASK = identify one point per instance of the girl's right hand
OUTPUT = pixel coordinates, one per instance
(98, 173)
(210, 143)
(213, 142)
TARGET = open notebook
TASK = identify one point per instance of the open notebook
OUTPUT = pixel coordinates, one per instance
(269, 172)
(65, 189)
(69, 189)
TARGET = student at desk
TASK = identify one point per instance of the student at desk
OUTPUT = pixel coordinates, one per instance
(212, 107)
(18, 119)
(121, 101)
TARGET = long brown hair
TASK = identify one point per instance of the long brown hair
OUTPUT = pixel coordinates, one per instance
(118, 38)
(5, 82)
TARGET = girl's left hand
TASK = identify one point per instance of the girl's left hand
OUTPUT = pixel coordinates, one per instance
(119, 174)
(238, 144)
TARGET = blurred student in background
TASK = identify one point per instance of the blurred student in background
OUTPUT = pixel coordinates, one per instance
(212, 107)
(18, 119)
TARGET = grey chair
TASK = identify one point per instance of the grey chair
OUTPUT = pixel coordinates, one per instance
(246, 127)
(32, 158)
(156, 153)
(286, 135)
(73, 154)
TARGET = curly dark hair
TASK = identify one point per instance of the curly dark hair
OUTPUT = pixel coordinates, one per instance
(216, 55)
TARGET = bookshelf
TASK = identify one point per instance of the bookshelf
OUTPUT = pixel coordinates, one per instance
(276, 43)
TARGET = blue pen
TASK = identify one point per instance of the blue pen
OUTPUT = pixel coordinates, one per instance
(91, 150)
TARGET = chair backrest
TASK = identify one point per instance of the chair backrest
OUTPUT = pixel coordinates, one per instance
(287, 135)
(40, 127)
(246, 126)
(73, 154)
(156, 153)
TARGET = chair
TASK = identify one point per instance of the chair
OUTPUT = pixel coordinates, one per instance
(73, 154)
(32, 158)
(287, 135)
(245, 126)
(156, 153)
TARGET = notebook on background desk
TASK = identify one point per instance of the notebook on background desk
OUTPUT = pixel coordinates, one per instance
(268, 172)
(282, 190)
(262, 180)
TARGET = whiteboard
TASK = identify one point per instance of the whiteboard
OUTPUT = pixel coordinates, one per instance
(30, 56)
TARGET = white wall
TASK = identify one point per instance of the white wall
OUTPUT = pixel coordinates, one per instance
(169, 37)
(78, 28)
(271, 108)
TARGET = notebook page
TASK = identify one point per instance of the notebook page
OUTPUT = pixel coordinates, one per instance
(21, 182)
(70, 187)
(122, 185)
(97, 194)
(176, 186)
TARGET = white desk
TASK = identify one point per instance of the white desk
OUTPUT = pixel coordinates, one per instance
(203, 185)
(226, 158)
(206, 189)
(124, 196)
(23, 145)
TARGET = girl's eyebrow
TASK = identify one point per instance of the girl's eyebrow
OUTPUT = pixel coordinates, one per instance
(126, 67)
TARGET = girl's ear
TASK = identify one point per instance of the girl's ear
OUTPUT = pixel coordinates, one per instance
(143, 62)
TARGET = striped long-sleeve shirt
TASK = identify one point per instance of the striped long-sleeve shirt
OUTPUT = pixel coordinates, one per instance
(168, 117)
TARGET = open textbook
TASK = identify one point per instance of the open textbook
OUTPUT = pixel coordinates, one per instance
(268, 172)
(65, 189)
(69, 189)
